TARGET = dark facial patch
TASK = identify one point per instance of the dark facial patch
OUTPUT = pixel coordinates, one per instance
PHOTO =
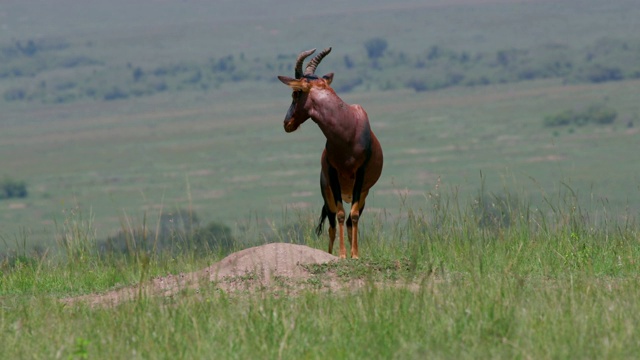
(295, 96)
(290, 112)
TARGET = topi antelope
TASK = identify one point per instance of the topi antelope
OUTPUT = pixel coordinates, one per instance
(352, 157)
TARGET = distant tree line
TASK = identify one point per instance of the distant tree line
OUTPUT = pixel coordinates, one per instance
(376, 66)
(26, 59)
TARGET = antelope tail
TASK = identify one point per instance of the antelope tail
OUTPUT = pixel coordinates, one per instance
(323, 216)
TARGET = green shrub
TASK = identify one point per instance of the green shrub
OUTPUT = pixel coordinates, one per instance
(178, 232)
(600, 73)
(15, 94)
(10, 188)
(375, 47)
(137, 74)
(115, 94)
(598, 114)
(496, 211)
(214, 236)
(561, 119)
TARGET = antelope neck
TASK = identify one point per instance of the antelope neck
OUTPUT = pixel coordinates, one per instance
(333, 116)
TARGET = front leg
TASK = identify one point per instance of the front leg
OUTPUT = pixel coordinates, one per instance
(332, 237)
(340, 216)
(356, 209)
(334, 185)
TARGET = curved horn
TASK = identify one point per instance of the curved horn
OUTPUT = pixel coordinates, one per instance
(313, 64)
(303, 55)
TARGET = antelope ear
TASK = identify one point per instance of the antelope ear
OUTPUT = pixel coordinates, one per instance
(285, 79)
(295, 84)
(328, 78)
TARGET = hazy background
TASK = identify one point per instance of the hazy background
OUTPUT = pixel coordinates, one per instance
(120, 109)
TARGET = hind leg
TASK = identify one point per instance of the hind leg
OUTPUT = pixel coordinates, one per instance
(332, 230)
(332, 195)
(329, 210)
(333, 200)
(338, 213)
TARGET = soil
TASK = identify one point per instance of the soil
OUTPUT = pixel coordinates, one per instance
(270, 266)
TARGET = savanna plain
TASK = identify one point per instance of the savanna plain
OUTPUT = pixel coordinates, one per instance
(145, 140)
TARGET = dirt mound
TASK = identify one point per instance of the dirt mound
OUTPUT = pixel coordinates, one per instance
(277, 259)
(256, 266)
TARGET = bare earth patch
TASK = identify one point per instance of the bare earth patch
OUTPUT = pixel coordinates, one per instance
(550, 158)
(16, 206)
(270, 265)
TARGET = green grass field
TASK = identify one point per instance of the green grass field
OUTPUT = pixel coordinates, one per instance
(550, 285)
(230, 168)
(489, 234)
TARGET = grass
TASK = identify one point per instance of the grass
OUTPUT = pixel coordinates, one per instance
(501, 318)
(443, 274)
(438, 284)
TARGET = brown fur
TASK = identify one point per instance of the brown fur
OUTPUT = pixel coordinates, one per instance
(351, 149)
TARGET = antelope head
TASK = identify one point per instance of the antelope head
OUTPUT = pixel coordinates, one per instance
(302, 86)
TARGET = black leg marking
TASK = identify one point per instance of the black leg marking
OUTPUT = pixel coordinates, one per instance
(357, 187)
(332, 220)
(335, 184)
